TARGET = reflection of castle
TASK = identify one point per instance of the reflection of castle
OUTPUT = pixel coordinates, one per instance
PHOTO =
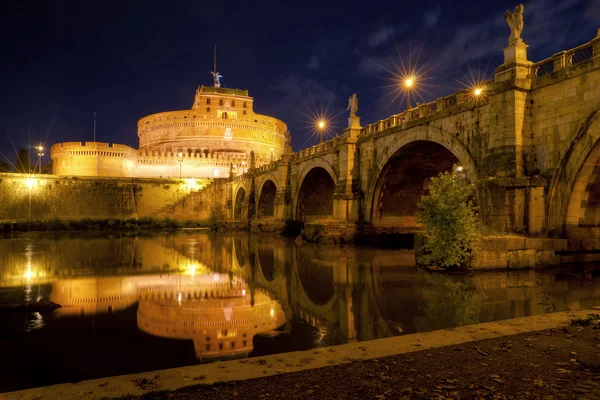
(220, 130)
(213, 310)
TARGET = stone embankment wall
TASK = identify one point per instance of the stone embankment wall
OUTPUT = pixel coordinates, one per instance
(515, 252)
(45, 197)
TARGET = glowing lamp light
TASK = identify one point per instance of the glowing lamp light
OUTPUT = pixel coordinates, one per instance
(408, 82)
(460, 168)
(179, 298)
(478, 91)
(30, 182)
(321, 124)
(272, 312)
(180, 154)
(243, 292)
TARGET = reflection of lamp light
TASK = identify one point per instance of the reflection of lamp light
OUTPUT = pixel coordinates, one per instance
(28, 273)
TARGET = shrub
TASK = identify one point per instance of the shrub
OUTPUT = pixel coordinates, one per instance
(450, 220)
(312, 233)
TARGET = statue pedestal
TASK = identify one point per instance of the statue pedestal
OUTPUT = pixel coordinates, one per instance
(354, 122)
(516, 65)
(515, 52)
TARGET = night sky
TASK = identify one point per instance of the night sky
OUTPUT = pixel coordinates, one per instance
(63, 60)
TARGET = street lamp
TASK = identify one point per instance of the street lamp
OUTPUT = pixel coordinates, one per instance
(180, 160)
(321, 126)
(40, 154)
(408, 84)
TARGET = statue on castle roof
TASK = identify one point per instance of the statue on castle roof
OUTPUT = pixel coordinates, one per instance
(353, 104)
(216, 79)
(515, 22)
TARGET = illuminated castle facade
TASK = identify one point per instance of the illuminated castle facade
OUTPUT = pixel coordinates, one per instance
(212, 139)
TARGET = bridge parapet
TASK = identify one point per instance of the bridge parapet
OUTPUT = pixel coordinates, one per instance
(452, 101)
(317, 149)
(567, 59)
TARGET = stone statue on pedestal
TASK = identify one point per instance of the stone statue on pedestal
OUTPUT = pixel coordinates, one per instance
(515, 22)
(352, 105)
(216, 79)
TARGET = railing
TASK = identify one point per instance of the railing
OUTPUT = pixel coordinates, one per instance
(564, 59)
(317, 149)
(420, 111)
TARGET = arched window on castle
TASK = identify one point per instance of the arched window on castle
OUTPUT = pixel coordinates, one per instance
(207, 101)
(224, 115)
(232, 103)
(221, 102)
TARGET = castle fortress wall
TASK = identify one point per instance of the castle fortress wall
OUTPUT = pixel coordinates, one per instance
(45, 197)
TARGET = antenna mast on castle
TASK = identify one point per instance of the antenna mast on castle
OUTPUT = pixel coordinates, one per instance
(216, 76)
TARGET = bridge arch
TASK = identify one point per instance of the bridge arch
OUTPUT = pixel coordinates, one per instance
(239, 209)
(403, 172)
(266, 199)
(314, 198)
(573, 205)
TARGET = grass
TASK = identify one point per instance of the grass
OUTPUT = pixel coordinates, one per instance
(101, 224)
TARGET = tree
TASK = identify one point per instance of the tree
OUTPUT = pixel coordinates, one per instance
(450, 220)
(22, 164)
(4, 167)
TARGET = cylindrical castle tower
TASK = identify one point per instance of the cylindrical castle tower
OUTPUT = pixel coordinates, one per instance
(212, 139)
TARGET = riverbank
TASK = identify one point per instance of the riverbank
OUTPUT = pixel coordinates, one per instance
(102, 224)
(517, 358)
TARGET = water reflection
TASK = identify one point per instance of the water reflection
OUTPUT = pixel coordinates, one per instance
(220, 293)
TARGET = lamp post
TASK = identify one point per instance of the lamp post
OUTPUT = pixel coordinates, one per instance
(321, 126)
(408, 83)
(180, 161)
(40, 154)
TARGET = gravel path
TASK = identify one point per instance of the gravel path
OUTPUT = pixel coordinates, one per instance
(552, 364)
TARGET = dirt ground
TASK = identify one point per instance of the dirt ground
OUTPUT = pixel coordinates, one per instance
(552, 364)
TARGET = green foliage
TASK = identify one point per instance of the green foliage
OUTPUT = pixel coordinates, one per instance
(22, 164)
(102, 224)
(450, 219)
(4, 167)
(447, 302)
(217, 217)
(312, 233)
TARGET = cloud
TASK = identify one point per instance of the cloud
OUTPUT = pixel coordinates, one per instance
(380, 36)
(432, 16)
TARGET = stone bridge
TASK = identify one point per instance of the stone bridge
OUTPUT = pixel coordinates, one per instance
(530, 141)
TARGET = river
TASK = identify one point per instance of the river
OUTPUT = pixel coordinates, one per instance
(146, 302)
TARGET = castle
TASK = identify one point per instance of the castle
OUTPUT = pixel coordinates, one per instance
(213, 139)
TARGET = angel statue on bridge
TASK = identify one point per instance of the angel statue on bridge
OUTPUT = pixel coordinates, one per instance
(515, 22)
(352, 104)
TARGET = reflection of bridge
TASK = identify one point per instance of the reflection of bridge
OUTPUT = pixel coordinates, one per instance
(244, 284)
(531, 143)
